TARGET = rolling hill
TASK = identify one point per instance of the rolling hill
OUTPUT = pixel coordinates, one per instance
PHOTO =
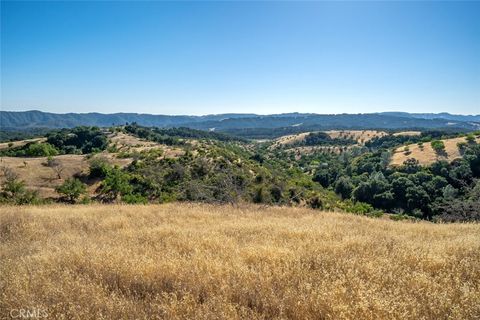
(425, 154)
(345, 170)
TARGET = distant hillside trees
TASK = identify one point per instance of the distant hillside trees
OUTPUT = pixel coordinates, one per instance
(431, 192)
(31, 149)
(78, 140)
(322, 139)
(392, 141)
(176, 136)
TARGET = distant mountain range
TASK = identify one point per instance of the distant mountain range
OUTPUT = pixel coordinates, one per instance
(290, 122)
(442, 115)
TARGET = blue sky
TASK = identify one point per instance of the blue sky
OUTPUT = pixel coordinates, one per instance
(261, 57)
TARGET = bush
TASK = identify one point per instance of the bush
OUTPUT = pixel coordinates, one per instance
(116, 183)
(72, 189)
(99, 167)
(13, 190)
(438, 146)
(315, 202)
(358, 208)
(134, 199)
(458, 211)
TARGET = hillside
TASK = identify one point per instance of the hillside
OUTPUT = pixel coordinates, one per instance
(425, 154)
(19, 143)
(184, 261)
(343, 170)
(43, 178)
(359, 136)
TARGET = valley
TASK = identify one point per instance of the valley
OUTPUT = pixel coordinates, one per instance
(406, 174)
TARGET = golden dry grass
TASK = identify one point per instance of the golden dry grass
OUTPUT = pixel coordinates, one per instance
(19, 143)
(408, 133)
(188, 261)
(361, 136)
(290, 139)
(129, 143)
(38, 176)
(43, 179)
(427, 155)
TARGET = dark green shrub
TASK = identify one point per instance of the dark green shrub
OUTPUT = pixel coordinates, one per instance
(72, 189)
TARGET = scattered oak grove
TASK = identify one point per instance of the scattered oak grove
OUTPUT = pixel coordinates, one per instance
(181, 164)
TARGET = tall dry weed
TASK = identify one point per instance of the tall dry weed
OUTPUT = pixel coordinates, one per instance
(188, 261)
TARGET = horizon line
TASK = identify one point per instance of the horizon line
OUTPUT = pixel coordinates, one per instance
(241, 113)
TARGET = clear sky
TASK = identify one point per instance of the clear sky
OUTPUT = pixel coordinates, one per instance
(261, 57)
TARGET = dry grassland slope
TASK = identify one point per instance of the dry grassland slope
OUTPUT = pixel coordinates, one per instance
(426, 155)
(187, 261)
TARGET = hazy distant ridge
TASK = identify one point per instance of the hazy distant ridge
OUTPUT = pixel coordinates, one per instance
(225, 122)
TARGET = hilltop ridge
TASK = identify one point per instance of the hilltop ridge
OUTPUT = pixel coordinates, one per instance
(246, 124)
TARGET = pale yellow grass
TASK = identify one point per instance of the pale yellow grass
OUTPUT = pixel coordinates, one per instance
(361, 136)
(19, 143)
(408, 133)
(186, 261)
(129, 143)
(291, 139)
(427, 155)
(38, 176)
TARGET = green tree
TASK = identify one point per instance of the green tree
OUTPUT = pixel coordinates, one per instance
(418, 198)
(72, 189)
(116, 183)
(438, 146)
(344, 187)
(40, 150)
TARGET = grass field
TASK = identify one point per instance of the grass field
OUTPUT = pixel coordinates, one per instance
(190, 261)
(426, 155)
(360, 136)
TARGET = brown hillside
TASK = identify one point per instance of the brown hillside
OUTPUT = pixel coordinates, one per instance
(4, 145)
(38, 176)
(408, 133)
(427, 155)
(360, 136)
